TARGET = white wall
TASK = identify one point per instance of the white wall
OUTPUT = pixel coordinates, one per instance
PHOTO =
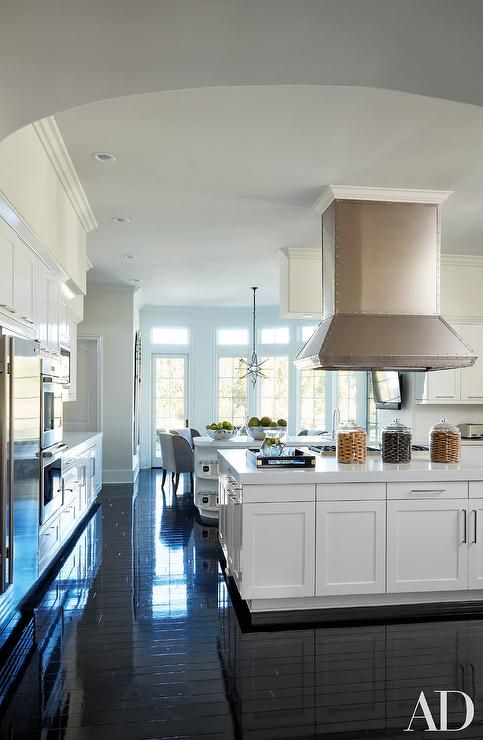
(30, 184)
(109, 312)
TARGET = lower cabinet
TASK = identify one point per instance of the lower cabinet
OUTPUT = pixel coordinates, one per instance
(278, 550)
(351, 547)
(427, 546)
(475, 533)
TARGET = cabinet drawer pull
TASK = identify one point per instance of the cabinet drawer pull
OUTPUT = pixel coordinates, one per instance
(28, 320)
(474, 396)
(427, 490)
(444, 396)
(10, 309)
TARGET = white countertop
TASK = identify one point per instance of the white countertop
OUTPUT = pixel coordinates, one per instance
(244, 442)
(328, 470)
(76, 439)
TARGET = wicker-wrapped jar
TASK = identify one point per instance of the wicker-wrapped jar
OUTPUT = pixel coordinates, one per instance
(445, 443)
(351, 443)
(396, 443)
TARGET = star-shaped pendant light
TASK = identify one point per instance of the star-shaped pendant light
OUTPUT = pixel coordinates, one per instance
(254, 365)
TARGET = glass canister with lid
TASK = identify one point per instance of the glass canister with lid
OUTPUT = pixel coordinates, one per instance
(445, 443)
(396, 443)
(351, 443)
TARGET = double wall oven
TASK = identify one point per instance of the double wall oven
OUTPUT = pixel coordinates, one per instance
(52, 384)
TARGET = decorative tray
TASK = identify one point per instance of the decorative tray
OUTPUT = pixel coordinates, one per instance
(295, 459)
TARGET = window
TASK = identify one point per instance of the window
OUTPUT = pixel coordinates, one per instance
(312, 399)
(232, 390)
(169, 335)
(347, 394)
(170, 394)
(233, 336)
(275, 335)
(274, 388)
(306, 332)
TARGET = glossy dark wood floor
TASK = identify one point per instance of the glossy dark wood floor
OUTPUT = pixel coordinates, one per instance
(136, 637)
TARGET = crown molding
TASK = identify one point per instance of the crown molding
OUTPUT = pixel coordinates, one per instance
(462, 260)
(304, 253)
(111, 288)
(386, 195)
(56, 150)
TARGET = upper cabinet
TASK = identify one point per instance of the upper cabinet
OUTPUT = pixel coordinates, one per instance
(460, 385)
(24, 281)
(301, 283)
(472, 377)
(6, 273)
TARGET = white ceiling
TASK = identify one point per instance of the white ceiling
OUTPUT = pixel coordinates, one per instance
(57, 55)
(216, 180)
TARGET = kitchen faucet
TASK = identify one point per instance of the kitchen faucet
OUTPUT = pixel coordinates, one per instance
(335, 422)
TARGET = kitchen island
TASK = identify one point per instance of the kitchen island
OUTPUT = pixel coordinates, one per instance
(206, 467)
(352, 541)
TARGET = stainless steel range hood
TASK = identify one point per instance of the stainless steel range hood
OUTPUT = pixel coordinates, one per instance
(380, 284)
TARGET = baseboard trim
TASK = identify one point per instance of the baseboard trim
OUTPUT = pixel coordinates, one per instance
(119, 476)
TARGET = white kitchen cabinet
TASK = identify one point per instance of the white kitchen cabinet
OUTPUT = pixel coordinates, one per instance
(463, 385)
(427, 545)
(71, 391)
(42, 305)
(6, 271)
(443, 386)
(53, 314)
(24, 282)
(64, 321)
(472, 377)
(278, 550)
(98, 466)
(351, 547)
(475, 555)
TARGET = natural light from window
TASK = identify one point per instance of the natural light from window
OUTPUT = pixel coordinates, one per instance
(312, 399)
(274, 388)
(169, 335)
(275, 335)
(232, 390)
(233, 336)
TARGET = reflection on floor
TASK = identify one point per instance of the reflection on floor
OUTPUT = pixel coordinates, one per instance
(136, 637)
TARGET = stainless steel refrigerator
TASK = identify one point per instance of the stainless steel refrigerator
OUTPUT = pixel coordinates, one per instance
(19, 473)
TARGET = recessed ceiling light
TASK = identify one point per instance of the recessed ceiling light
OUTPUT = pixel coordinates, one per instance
(129, 257)
(104, 157)
(120, 220)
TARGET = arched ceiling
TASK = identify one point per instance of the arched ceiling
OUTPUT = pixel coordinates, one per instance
(59, 54)
(216, 180)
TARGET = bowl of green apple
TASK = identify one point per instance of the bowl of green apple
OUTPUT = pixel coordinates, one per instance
(220, 430)
(256, 427)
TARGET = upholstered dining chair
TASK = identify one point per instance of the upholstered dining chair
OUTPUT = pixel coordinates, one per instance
(176, 457)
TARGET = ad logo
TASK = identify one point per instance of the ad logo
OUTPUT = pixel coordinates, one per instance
(422, 704)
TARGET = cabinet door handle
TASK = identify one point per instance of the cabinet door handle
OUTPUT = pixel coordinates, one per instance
(8, 308)
(465, 532)
(427, 490)
(475, 535)
(27, 320)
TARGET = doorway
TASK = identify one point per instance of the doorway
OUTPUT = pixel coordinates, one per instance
(169, 398)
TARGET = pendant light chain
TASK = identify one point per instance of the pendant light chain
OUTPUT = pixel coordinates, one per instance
(254, 365)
